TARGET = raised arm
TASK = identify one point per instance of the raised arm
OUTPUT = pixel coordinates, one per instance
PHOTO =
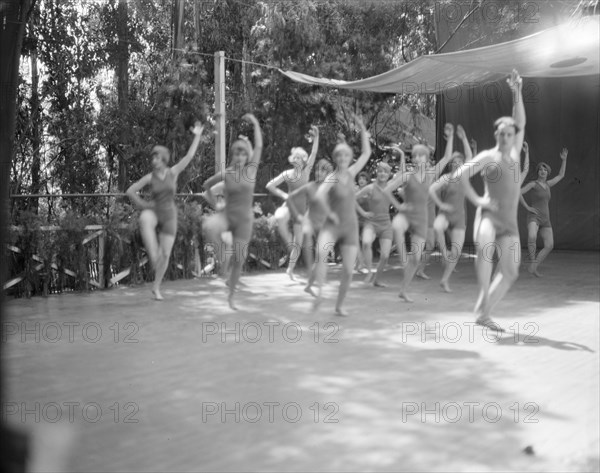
(516, 86)
(183, 162)
(314, 132)
(449, 137)
(258, 146)
(462, 136)
(133, 190)
(563, 167)
(366, 149)
(526, 162)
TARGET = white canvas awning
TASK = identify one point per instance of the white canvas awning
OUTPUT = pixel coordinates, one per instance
(571, 49)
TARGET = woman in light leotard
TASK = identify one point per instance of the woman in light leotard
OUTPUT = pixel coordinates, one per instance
(316, 215)
(232, 234)
(342, 201)
(294, 178)
(452, 214)
(495, 225)
(538, 217)
(160, 214)
(413, 214)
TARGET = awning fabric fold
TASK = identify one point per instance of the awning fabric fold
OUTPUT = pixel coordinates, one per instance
(571, 49)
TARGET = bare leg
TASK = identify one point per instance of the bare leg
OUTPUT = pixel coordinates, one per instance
(429, 245)
(508, 273)
(485, 236)
(215, 226)
(148, 223)
(296, 244)
(237, 256)
(400, 225)
(457, 239)
(165, 246)
(368, 237)
(414, 259)
(548, 238)
(532, 232)
(325, 242)
(348, 258)
(385, 247)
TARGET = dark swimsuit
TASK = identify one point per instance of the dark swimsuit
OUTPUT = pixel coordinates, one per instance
(238, 205)
(299, 200)
(163, 195)
(540, 196)
(454, 194)
(379, 205)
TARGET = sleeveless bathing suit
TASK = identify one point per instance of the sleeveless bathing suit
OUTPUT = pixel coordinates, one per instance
(380, 206)
(454, 194)
(540, 196)
(163, 195)
(417, 195)
(503, 186)
(238, 204)
(342, 201)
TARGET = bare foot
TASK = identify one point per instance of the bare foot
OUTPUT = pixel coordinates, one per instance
(341, 312)
(376, 283)
(369, 278)
(231, 302)
(533, 271)
(422, 275)
(486, 321)
(317, 303)
(290, 273)
(157, 295)
(445, 286)
(405, 297)
(309, 290)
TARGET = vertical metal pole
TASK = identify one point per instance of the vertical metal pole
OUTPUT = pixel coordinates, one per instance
(220, 110)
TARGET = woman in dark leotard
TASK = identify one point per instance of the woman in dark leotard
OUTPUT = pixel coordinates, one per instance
(452, 214)
(538, 218)
(233, 234)
(495, 226)
(377, 224)
(413, 214)
(295, 178)
(160, 214)
(342, 201)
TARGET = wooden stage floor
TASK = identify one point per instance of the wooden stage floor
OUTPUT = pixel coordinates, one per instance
(130, 384)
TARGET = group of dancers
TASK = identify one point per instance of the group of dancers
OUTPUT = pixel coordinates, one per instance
(331, 210)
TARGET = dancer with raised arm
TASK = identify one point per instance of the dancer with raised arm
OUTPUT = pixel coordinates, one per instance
(233, 234)
(341, 198)
(160, 214)
(452, 215)
(495, 224)
(294, 178)
(377, 223)
(315, 217)
(538, 217)
(413, 215)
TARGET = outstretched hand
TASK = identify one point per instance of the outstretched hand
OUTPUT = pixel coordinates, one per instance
(250, 118)
(197, 128)
(314, 131)
(448, 130)
(515, 82)
(460, 132)
(564, 153)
